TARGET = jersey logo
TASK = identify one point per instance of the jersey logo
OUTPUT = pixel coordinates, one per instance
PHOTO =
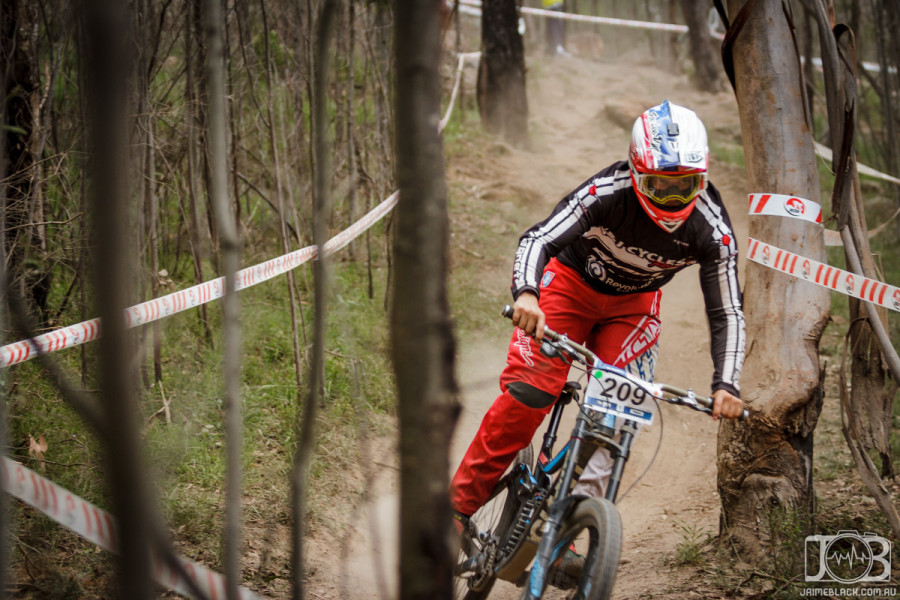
(547, 278)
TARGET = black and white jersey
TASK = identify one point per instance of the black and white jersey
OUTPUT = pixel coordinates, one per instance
(601, 231)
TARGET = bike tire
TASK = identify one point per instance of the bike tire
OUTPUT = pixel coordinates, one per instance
(495, 516)
(600, 519)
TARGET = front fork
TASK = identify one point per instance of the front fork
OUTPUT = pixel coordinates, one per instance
(549, 549)
(557, 514)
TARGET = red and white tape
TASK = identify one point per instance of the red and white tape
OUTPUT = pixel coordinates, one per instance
(825, 152)
(833, 278)
(164, 306)
(555, 14)
(780, 205)
(808, 269)
(98, 526)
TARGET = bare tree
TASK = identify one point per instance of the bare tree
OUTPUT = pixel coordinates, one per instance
(229, 243)
(192, 170)
(765, 463)
(501, 91)
(706, 66)
(307, 437)
(422, 339)
(4, 432)
(109, 65)
(22, 208)
(867, 409)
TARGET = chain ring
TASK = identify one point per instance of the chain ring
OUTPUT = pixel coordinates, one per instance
(484, 574)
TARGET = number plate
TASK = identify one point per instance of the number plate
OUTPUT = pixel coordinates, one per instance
(614, 394)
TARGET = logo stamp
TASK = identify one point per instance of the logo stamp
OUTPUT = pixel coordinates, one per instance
(847, 557)
(794, 206)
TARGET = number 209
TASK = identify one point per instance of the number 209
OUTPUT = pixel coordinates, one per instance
(622, 391)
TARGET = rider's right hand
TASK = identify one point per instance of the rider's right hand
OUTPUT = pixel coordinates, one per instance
(528, 316)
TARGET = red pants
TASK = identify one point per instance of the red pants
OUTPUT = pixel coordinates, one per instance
(617, 328)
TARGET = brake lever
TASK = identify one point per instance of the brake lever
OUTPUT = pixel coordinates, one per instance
(691, 402)
(549, 349)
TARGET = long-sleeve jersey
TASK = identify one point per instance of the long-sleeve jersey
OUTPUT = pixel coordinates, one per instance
(601, 231)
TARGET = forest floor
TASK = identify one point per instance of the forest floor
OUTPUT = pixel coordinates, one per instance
(580, 113)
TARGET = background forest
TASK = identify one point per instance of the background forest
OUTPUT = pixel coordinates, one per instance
(170, 239)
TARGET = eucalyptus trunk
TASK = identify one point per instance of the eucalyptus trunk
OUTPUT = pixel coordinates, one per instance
(765, 463)
(706, 66)
(229, 243)
(108, 78)
(421, 330)
(321, 206)
(502, 98)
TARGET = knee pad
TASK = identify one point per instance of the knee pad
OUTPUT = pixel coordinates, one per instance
(529, 395)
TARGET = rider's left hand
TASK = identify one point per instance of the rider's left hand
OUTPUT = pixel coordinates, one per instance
(726, 405)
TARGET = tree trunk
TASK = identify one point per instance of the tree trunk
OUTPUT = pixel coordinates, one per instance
(108, 75)
(4, 321)
(191, 119)
(765, 464)
(422, 339)
(706, 68)
(17, 60)
(501, 73)
(321, 207)
(217, 153)
(866, 412)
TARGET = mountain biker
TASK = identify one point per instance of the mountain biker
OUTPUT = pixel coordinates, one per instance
(593, 270)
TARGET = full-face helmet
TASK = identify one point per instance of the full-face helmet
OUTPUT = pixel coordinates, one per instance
(668, 159)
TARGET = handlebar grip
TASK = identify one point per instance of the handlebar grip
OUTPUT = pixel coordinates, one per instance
(745, 414)
(507, 311)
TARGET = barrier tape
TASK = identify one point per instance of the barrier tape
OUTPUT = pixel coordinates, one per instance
(807, 269)
(165, 306)
(825, 152)
(780, 205)
(555, 14)
(98, 526)
(459, 69)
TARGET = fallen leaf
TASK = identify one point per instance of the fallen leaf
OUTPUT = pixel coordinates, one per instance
(36, 448)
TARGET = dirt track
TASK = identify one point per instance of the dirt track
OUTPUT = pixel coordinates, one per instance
(575, 105)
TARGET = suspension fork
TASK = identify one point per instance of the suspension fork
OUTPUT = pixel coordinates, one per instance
(569, 392)
(559, 510)
(620, 457)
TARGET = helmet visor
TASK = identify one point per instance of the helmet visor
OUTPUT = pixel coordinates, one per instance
(671, 191)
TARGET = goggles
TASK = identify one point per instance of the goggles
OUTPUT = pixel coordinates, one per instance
(671, 191)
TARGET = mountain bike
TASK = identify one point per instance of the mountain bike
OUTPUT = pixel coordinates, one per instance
(532, 516)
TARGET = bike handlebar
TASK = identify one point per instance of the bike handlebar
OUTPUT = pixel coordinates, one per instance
(592, 360)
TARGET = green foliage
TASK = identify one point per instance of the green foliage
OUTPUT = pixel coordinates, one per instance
(689, 551)
(724, 151)
(184, 446)
(787, 528)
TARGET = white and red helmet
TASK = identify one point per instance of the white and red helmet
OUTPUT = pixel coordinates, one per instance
(668, 158)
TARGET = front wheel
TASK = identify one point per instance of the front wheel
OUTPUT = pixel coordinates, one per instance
(595, 522)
